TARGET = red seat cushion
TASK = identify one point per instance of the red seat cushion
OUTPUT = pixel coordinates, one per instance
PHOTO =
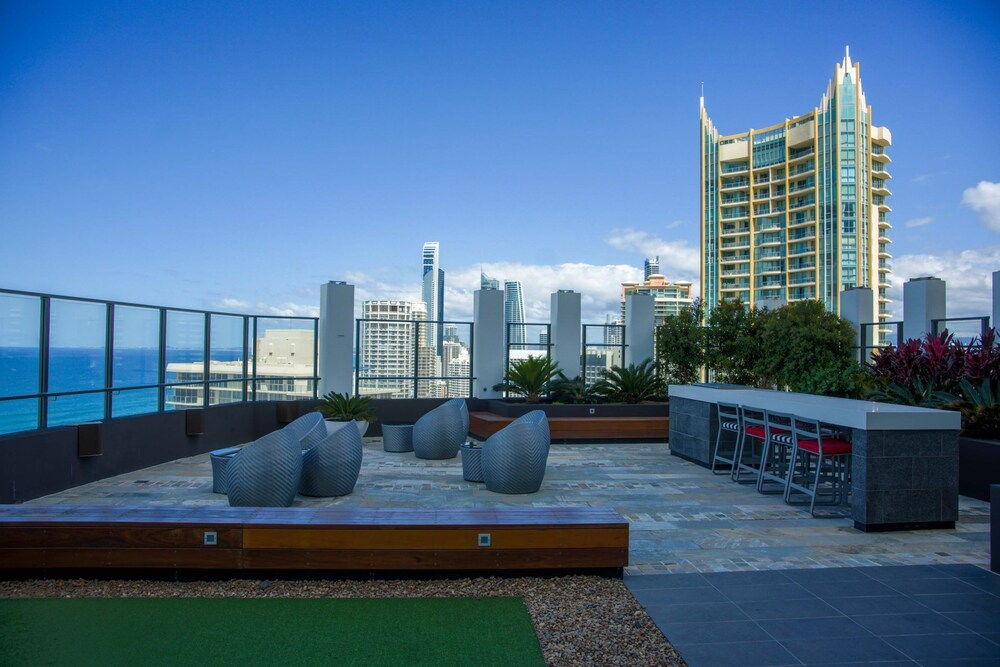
(756, 431)
(831, 446)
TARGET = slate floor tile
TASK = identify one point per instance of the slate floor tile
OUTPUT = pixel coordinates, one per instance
(946, 647)
(809, 628)
(683, 634)
(663, 615)
(768, 592)
(942, 586)
(839, 650)
(980, 602)
(828, 574)
(741, 654)
(885, 625)
(984, 623)
(662, 596)
(887, 604)
(848, 589)
(902, 572)
(768, 609)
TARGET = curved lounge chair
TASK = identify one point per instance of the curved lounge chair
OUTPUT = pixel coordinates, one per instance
(266, 472)
(308, 429)
(514, 457)
(331, 467)
(440, 432)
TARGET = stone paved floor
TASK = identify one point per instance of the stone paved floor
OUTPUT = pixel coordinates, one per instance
(683, 519)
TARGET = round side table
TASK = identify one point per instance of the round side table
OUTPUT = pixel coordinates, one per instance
(397, 437)
(472, 462)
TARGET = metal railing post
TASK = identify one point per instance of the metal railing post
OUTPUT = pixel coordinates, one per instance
(44, 329)
(246, 354)
(207, 362)
(161, 371)
(109, 352)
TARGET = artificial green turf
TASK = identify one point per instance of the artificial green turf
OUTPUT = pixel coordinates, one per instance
(195, 631)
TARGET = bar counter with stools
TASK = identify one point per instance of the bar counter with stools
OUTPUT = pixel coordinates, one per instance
(898, 464)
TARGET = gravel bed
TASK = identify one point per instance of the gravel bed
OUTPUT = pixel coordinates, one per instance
(579, 620)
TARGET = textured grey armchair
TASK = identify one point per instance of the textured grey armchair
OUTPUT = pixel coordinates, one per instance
(331, 468)
(309, 429)
(440, 432)
(266, 472)
(514, 457)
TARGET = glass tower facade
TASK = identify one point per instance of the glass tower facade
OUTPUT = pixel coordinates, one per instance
(432, 293)
(798, 210)
(513, 312)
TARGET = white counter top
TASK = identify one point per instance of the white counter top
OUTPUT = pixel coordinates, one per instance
(866, 415)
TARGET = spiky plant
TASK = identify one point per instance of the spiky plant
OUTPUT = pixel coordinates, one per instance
(343, 407)
(632, 383)
(531, 378)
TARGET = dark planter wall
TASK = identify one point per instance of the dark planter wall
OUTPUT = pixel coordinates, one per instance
(518, 408)
(978, 467)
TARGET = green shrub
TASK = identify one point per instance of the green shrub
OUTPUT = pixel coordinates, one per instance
(532, 378)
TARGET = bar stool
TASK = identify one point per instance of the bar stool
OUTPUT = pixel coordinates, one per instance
(813, 446)
(776, 454)
(730, 421)
(755, 430)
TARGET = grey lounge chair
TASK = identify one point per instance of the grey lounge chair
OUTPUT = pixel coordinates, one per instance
(514, 457)
(308, 429)
(266, 472)
(440, 432)
(331, 467)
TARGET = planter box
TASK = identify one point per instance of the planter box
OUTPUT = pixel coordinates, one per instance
(516, 409)
(978, 467)
(583, 423)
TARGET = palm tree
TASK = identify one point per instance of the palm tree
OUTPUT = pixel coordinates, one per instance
(531, 378)
(631, 384)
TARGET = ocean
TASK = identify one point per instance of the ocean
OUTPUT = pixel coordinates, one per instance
(75, 368)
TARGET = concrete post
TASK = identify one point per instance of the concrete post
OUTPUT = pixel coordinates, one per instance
(566, 332)
(639, 328)
(923, 300)
(487, 342)
(336, 337)
(995, 321)
(857, 305)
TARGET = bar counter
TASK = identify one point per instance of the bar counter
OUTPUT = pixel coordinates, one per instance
(905, 459)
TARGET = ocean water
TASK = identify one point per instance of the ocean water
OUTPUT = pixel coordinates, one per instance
(74, 369)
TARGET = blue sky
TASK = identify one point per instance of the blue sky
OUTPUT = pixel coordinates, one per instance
(236, 155)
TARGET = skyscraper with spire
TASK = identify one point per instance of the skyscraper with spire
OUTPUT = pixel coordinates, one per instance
(485, 282)
(513, 313)
(798, 210)
(433, 295)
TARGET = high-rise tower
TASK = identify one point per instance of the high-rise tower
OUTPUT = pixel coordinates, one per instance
(485, 282)
(433, 294)
(798, 210)
(651, 267)
(513, 312)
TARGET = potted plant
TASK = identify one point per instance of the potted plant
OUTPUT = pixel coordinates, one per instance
(631, 384)
(338, 409)
(531, 378)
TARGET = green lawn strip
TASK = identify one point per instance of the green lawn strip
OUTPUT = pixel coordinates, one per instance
(219, 631)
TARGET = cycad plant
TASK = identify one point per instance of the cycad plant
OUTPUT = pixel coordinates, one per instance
(532, 378)
(632, 383)
(343, 407)
(576, 390)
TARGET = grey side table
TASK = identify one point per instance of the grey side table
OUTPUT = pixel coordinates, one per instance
(472, 462)
(397, 437)
(220, 461)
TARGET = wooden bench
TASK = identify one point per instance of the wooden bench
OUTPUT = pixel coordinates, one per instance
(646, 429)
(306, 538)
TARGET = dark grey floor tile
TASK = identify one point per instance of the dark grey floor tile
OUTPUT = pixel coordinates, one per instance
(755, 578)
(683, 634)
(663, 615)
(982, 662)
(889, 604)
(661, 596)
(982, 622)
(946, 647)
(989, 584)
(827, 574)
(839, 650)
(993, 637)
(865, 663)
(812, 628)
(902, 572)
(742, 654)
(767, 609)
(848, 589)
(981, 602)
(941, 586)
(767, 592)
(644, 581)
(963, 570)
(885, 625)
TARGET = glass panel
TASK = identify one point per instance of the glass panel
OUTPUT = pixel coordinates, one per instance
(133, 402)
(18, 415)
(18, 345)
(185, 358)
(76, 409)
(456, 359)
(285, 348)
(226, 359)
(136, 354)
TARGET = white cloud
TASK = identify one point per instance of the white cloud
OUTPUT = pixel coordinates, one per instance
(678, 259)
(968, 275)
(920, 222)
(287, 309)
(233, 304)
(985, 200)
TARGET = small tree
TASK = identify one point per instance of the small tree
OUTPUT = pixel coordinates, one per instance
(680, 345)
(808, 349)
(733, 342)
